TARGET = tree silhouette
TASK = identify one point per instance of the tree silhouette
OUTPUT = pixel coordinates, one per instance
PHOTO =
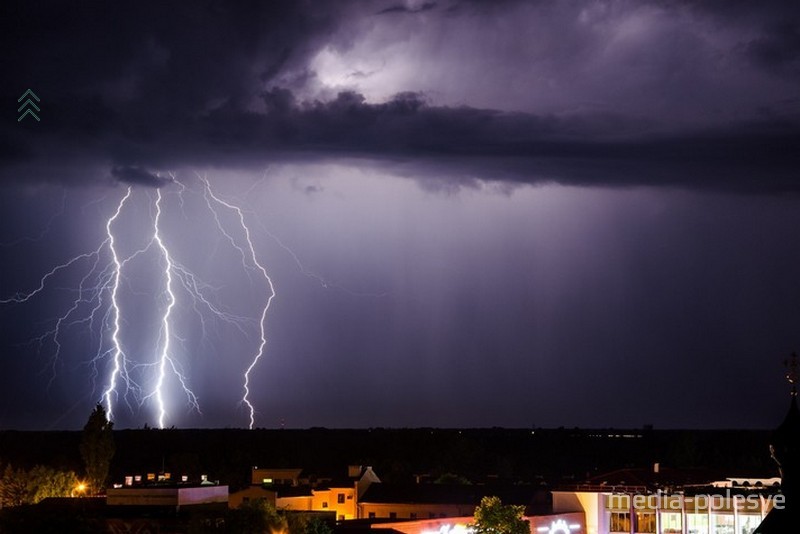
(97, 448)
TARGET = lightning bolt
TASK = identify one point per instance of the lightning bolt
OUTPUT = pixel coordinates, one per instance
(165, 324)
(113, 317)
(98, 305)
(260, 268)
(308, 273)
(98, 279)
(165, 360)
(326, 284)
(101, 282)
(21, 297)
(118, 354)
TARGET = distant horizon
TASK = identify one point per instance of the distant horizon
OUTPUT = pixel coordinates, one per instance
(640, 429)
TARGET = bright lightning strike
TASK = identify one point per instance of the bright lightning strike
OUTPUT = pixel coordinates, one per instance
(21, 297)
(165, 334)
(105, 283)
(118, 354)
(308, 273)
(262, 323)
(165, 324)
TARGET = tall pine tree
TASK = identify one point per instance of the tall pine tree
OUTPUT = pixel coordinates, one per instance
(97, 448)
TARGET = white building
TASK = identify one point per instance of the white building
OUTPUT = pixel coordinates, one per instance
(717, 511)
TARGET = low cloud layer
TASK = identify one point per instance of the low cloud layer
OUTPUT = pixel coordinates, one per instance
(137, 176)
(612, 93)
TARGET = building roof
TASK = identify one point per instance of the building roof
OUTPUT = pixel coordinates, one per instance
(303, 490)
(649, 479)
(450, 494)
(338, 483)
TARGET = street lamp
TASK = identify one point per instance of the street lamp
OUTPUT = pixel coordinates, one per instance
(79, 490)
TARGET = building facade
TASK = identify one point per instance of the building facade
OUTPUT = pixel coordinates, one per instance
(289, 489)
(568, 523)
(719, 511)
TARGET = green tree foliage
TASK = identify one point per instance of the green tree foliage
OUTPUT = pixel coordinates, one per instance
(299, 523)
(13, 487)
(44, 482)
(97, 448)
(316, 526)
(18, 486)
(256, 517)
(494, 517)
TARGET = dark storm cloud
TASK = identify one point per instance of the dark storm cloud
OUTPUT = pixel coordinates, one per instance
(484, 144)
(409, 8)
(227, 84)
(538, 148)
(778, 48)
(138, 176)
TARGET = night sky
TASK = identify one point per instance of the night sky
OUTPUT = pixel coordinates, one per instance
(474, 213)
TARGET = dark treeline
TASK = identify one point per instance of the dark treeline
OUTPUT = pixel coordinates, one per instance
(553, 456)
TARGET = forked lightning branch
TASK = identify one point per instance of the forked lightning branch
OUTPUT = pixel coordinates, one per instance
(135, 380)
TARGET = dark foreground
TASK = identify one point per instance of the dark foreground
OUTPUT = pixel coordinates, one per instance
(552, 456)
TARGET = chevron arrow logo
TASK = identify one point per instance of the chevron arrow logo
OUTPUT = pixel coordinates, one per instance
(28, 105)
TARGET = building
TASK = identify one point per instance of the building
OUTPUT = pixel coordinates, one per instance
(278, 477)
(571, 523)
(170, 496)
(340, 496)
(159, 503)
(418, 501)
(143, 508)
(438, 501)
(669, 502)
(290, 489)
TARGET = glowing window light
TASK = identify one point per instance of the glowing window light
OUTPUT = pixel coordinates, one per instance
(559, 526)
(451, 529)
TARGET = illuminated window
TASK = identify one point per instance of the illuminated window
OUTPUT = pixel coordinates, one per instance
(721, 524)
(267, 481)
(748, 523)
(340, 498)
(696, 524)
(645, 522)
(671, 523)
(620, 522)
